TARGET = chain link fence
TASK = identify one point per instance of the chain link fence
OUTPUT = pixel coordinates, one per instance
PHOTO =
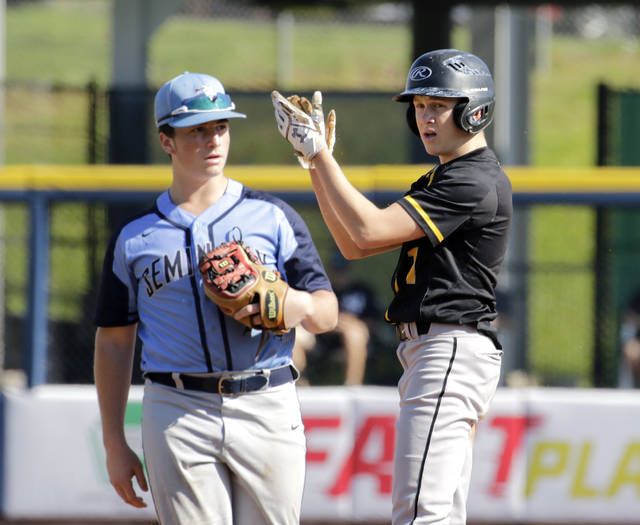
(68, 123)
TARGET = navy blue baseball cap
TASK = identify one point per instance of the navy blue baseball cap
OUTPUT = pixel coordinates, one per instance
(191, 99)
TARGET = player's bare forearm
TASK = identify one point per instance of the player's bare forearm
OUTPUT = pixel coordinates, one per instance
(114, 349)
(113, 361)
(348, 248)
(369, 230)
(352, 209)
(343, 240)
(317, 312)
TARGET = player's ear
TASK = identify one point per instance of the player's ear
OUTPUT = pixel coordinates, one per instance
(167, 144)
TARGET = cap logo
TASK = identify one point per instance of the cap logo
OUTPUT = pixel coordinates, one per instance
(420, 73)
(207, 91)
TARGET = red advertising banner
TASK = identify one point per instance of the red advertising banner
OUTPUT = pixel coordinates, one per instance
(541, 456)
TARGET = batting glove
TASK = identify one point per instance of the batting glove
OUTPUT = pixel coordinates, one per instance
(303, 125)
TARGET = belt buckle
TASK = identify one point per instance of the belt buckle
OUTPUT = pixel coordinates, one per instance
(221, 381)
(401, 330)
(257, 382)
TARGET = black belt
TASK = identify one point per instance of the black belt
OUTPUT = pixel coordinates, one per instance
(486, 328)
(226, 384)
(412, 330)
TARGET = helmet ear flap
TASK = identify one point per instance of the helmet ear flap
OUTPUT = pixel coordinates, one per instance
(464, 117)
(478, 118)
(459, 115)
(411, 118)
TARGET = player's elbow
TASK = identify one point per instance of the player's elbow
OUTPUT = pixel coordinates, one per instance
(362, 242)
(352, 253)
(368, 240)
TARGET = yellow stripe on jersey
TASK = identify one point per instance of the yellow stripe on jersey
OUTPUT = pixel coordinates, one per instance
(426, 218)
(430, 176)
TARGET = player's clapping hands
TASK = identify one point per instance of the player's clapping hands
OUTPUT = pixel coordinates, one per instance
(301, 122)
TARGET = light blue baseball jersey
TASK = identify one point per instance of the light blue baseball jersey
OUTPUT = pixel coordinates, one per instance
(151, 277)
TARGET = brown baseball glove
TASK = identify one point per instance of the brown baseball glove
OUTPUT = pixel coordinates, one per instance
(233, 278)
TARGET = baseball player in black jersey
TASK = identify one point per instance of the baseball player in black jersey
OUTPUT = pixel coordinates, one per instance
(451, 228)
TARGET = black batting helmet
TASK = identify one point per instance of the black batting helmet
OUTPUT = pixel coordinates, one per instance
(451, 73)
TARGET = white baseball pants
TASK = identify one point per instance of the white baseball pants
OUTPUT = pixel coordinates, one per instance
(450, 376)
(224, 460)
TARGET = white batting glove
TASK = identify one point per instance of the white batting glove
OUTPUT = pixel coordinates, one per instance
(302, 124)
(328, 127)
(314, 110)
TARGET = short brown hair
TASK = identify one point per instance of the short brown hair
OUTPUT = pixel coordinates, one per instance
(169, 131)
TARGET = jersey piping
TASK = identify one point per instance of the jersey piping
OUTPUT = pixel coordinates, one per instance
(426, 218)
(194, 291)
(150, 276)
(432, 426)
(449, 274)
(221, 317)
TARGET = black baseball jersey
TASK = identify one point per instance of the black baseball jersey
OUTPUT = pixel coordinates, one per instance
(449, 276)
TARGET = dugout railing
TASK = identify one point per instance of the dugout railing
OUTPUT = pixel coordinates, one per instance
(55, 225)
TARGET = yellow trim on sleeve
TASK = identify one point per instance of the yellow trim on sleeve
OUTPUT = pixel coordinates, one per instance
(426, 218)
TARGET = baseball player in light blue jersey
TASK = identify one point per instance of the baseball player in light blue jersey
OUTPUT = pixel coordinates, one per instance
(222, 431)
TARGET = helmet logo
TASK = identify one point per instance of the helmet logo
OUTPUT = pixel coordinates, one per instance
(420, 73)
(458, 65)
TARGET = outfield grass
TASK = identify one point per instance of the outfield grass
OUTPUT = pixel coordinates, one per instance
(64, 42)
(561, 297)
(68, 42)
(564, 99)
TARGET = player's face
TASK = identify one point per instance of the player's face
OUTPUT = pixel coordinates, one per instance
(203, 148)
(440, 135)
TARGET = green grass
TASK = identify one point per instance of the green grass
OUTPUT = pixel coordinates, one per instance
(564, 99)
(183, 44)
(59, 42)
(324, 56)
(69, 229)
(561, 324)
(69, 43)
(15, 221)
(45, 125)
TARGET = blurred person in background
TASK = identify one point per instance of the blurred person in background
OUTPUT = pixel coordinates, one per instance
(340, 355)
(222, 431)
(629, 372)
